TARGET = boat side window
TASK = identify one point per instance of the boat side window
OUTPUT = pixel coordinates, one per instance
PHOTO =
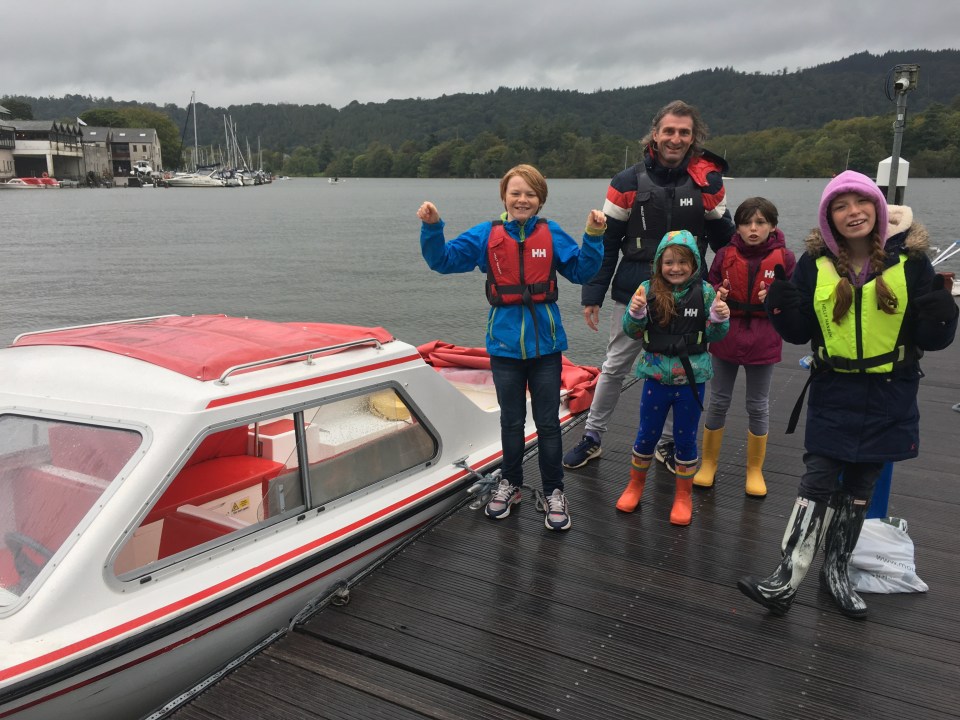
(356, 442)
(228, 486)
(249, 476)
(52, 474)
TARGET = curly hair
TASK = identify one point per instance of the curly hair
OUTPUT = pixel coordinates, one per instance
(678, 107)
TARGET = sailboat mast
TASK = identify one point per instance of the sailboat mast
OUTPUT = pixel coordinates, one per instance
(196, 144)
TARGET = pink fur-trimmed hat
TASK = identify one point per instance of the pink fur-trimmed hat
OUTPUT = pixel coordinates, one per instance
(850, 181)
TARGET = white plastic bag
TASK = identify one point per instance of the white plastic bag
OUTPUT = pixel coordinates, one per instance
(882, 561)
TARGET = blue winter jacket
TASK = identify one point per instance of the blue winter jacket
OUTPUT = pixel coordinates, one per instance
(510, 328)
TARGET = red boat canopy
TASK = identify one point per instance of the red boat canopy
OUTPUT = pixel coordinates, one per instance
(204, 346)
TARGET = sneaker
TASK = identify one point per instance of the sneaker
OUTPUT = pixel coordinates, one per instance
(505, 497)
(664, 454)
(557, 512)
(582, 453)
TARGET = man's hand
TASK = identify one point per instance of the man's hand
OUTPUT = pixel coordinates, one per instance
(591, 314)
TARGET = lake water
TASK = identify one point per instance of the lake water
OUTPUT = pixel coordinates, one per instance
(305, 249)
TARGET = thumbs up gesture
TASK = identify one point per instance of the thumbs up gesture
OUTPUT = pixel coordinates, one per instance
(724, 289)
(719, 308)
(638, 304)
(782, 295)
(938, 304)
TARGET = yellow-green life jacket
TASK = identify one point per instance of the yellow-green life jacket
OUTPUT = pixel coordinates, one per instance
(866, 339)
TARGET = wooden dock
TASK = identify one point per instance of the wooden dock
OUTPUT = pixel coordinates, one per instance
(626, 616)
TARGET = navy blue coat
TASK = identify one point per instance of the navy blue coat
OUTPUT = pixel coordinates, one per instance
(866, 417)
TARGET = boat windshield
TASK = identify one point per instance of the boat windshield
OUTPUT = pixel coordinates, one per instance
(51, 476)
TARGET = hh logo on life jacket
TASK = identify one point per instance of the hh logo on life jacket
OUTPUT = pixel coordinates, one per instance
(539, 252)
(691, 312)
(686, 202)
(768, 274)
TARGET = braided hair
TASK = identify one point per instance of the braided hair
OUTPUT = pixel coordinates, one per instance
(843, 293)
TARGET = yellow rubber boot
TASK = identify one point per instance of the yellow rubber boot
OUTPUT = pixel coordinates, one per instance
(709, 457)
(638, 478)
(682, 511)
(756, 452)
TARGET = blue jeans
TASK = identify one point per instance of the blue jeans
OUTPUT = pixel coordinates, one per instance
(512, 377)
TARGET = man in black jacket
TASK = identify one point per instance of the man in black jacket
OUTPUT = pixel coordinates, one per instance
(678, 185)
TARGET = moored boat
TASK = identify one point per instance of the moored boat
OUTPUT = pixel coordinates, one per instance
(206, 177)
(178, 489)
(31, 183)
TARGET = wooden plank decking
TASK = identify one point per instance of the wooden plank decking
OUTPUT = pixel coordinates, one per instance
(626, 616)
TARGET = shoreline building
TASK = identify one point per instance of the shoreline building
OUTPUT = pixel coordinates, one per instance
(47, 146)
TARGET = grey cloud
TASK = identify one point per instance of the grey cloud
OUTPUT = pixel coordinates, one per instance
(245, 51)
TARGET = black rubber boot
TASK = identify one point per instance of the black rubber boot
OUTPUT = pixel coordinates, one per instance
(837, 548)
(805, 530)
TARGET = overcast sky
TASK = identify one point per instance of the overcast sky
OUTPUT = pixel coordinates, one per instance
(334, 52)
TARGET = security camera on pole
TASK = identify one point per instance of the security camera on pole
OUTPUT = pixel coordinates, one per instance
(889, 177)
(894, 185)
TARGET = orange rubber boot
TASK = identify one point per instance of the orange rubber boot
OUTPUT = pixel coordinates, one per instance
(630, 498)
(682, 511)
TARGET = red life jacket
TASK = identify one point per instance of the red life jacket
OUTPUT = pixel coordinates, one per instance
(521, 272)
(743, 299)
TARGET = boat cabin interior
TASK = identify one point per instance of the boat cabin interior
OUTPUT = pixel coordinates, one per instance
(53, 475)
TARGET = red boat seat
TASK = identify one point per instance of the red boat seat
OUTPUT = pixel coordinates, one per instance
(218, 467)
(189, 526)
(212, 479)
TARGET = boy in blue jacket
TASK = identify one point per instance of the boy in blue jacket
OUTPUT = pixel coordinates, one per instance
(521, 255)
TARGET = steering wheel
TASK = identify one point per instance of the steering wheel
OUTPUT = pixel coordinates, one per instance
(27, 568)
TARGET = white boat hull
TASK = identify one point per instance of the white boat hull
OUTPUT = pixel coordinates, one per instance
(193, 180)
(96, 634)
(134, 683)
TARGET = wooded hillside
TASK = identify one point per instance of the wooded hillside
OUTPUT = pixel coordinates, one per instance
(798, 122)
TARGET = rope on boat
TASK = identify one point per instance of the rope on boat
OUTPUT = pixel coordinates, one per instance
(188, 695)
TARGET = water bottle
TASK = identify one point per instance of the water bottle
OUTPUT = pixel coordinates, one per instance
(806, 362)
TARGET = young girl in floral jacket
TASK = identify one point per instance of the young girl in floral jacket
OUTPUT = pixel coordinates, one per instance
(676, 314)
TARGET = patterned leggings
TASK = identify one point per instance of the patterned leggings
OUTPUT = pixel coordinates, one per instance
(656, 401)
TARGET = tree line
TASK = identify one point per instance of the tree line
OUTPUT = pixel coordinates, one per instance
(931, 143)
(800, 123)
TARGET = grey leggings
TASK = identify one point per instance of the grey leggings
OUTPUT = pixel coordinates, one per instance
(721, 393)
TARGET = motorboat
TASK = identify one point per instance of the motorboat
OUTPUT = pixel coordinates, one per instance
(141, 167)
(206, 177)
(175, 491)
(30, 183)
